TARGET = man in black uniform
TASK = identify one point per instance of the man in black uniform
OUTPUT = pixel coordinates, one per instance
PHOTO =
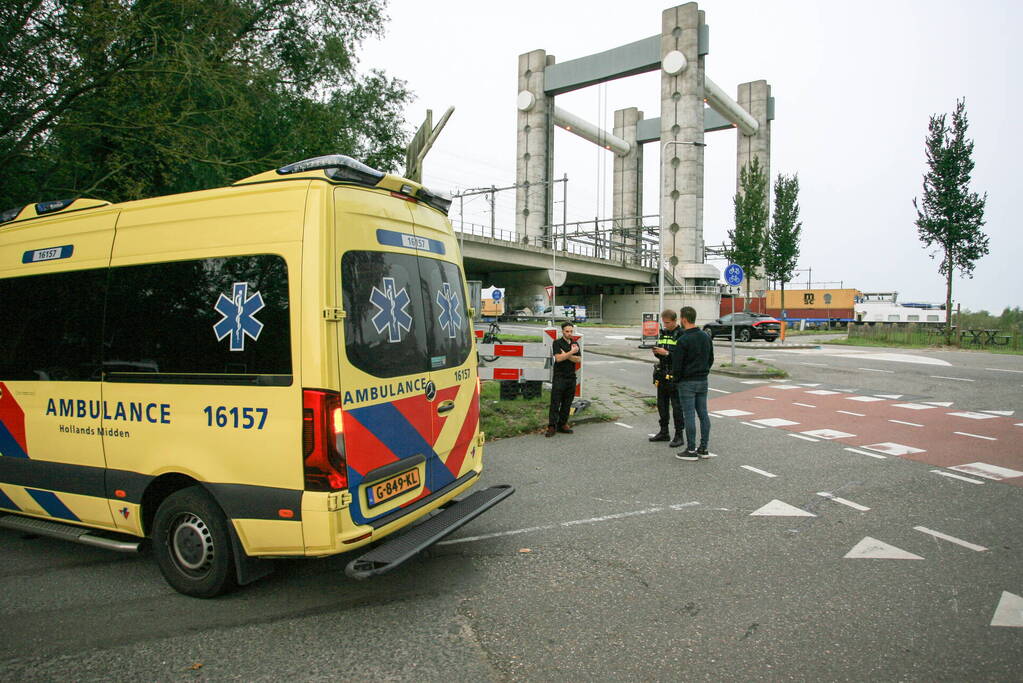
(566, 355)
(668, 404)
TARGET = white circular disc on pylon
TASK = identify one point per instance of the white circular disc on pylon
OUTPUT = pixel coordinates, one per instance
(674, 63)
(525, 100)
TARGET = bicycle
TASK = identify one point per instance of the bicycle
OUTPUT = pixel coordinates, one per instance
(490, 337)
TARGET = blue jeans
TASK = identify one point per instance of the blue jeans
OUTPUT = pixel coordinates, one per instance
(693, 395)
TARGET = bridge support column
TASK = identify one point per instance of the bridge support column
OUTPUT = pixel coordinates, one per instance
(535, 145)
(755, 98)
(627, 198)
(682, 99)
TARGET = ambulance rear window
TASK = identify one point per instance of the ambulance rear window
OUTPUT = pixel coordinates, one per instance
(404, 314)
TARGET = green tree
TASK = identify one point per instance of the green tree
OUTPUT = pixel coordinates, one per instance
(127, 99)
(749, 234)
(782, 249)
(950, 215)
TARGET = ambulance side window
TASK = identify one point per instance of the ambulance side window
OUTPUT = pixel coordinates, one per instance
(204, 321)
(447, 320)
(50, 326)
(384, 330)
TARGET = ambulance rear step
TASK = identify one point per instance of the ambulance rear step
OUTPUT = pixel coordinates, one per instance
(393, 553)
(66, 532)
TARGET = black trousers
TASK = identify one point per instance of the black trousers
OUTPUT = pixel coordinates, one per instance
(562, 394)
(669, 405)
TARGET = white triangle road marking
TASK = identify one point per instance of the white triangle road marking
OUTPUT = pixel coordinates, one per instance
(1009, 611)
(1004, 413)
(775, 422)
(777, 508)
(943, 404)
(873, 549)
(891, 396)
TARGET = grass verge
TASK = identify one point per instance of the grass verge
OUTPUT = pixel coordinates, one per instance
(502, 419)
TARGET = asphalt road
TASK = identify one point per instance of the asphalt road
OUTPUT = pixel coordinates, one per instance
(613, 561)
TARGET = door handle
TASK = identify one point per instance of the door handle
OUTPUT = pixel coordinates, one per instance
(445, 407)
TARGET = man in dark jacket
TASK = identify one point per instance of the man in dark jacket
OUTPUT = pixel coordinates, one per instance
(691, 364)
(668, 405)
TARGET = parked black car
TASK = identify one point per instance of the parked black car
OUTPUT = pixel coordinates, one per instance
(748, 326)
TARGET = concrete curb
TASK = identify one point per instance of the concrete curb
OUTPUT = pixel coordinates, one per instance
(773, 346)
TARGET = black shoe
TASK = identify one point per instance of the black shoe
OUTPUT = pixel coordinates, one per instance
(703, 452)
(687, 455)
(549, 432)
(564, 430)
(660, 436)
(677, 442)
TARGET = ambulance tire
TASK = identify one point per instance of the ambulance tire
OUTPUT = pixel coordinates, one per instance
(192, 544)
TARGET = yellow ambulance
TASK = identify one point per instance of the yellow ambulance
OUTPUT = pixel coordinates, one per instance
(283, 367)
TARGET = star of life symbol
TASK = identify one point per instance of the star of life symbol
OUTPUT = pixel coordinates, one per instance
(392, 310)
(239, 313)
(450, 316)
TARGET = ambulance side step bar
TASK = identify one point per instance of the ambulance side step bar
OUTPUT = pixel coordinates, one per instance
(397, 551)
(66, 532)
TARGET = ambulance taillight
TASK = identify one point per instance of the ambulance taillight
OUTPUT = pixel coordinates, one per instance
(323, 444)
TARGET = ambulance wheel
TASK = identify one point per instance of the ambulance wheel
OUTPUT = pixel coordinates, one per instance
(192, 544)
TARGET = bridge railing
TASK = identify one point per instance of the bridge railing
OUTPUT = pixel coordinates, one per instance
(629, 240)
(685, 289)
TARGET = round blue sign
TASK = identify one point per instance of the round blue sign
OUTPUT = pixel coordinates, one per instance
(734, 274)
(496, 295)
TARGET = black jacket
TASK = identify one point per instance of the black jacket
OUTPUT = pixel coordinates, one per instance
(693, 357)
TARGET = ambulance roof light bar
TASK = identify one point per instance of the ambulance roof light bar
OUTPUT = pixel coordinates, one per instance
(337, 167)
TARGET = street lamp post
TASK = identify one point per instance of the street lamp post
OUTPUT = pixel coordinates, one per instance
(660, 228)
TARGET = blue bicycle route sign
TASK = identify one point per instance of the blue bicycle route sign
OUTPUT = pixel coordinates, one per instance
(734, 274)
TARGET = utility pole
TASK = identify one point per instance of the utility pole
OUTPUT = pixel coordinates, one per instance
(493, 218)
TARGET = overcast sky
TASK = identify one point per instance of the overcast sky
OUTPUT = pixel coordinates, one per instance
(854, 85)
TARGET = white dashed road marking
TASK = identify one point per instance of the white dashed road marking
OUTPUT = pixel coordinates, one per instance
(890, 448)
(805, 405)
(847, 412)
(622, 424)
(823, 392)
(957, 379)
(775, 422)
(733, 412)
(956, 476)
(872, 455)
(901, 422)
(1004, 370)
(575, 522)
(784, 386)
(758, 471)
(972, 415)
(804, 438)
(764, 398)
(750, 424)
(950, 539)
(843, 501)
(976, 436)
(913, 406)
(720, 391)
(864, 399)
(828, 434)
(877, 370)
(982, 469)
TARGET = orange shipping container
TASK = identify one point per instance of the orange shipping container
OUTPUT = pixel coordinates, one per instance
(812, 298)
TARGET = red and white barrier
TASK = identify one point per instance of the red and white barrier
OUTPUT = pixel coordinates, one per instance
(527, 350)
